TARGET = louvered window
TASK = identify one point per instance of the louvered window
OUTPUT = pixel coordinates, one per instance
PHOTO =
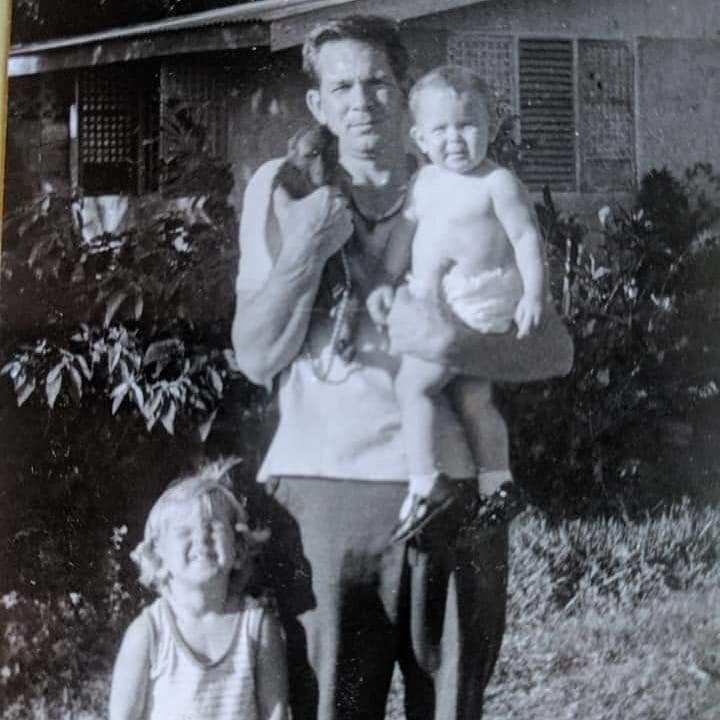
(117, 130)
(547, 116)
(606, 131)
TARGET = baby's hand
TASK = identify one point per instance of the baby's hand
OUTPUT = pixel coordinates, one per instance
(379, 302)
(527, 315)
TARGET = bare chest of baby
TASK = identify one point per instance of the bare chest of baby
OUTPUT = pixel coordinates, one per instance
(456, 222)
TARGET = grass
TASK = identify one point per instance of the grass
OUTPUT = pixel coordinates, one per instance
(607, 620)
(657, 661)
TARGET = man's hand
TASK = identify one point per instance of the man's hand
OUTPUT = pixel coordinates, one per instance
(528, 315)
(428, 330)
(316, 226)
(379, 302)
(421, 327)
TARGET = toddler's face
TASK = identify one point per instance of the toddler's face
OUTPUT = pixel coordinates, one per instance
(196, 546)
(451, 128)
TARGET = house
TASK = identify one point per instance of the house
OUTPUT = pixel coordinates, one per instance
(604, 91)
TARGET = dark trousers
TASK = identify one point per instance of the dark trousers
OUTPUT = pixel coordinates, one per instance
(352, 605)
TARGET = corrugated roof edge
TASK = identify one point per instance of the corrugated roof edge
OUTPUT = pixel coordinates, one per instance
(262, 10)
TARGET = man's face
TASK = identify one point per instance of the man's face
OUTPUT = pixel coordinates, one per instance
(358, 98)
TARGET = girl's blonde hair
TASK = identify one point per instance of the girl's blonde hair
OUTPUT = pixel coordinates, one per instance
(211, 487)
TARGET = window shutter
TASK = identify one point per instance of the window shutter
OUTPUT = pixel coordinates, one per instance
(607, 128)
(492, 57)
(203, 92)
(108, 131)
(547, 120)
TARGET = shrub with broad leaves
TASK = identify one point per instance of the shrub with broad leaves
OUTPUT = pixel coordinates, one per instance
(642, 305)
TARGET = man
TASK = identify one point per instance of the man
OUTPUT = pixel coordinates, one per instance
(353, 605)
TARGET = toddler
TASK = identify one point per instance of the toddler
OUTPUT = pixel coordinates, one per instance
(200, 650)
(470, 236)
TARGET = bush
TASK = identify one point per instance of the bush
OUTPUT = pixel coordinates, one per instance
(116, 349)
(638, 304)
(57, 639)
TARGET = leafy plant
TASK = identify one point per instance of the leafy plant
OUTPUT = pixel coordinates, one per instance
(153, 303)
(57, 638)
(115, 350)
(636, 303)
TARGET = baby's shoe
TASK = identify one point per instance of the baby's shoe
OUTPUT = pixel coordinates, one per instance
(424, 508)
(500, 507)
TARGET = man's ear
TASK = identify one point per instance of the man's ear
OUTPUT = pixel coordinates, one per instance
(419, 138)
(312, 98)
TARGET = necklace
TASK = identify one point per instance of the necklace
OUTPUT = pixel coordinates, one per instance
(320, 372)
(341, 309)
(371, 222)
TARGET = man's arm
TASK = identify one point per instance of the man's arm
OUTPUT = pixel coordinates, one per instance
(430, 331)
(272, 317)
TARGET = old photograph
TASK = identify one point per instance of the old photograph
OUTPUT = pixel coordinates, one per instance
(360, 360)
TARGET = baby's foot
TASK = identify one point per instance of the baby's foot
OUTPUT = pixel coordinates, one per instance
(418, 510)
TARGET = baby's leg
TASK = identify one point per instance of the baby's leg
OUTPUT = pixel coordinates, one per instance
(486, 431)
(417, 383)
(429, 492)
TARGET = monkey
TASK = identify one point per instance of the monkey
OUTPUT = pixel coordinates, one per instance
(310, 163)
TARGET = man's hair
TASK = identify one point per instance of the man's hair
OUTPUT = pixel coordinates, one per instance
(375, 30)
(452, 77)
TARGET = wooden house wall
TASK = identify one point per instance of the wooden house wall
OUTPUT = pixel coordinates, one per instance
(254, 100)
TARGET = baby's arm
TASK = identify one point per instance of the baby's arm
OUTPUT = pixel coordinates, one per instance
(514, 210)
(271, 678)
(131, 673)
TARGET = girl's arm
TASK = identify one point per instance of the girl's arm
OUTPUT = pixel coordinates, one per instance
(128, 695)
(271, 671)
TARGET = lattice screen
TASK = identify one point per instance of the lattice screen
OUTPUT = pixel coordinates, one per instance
(547, 121)
(492, 57)
(202, 90)
(108, 130)
(607, 134)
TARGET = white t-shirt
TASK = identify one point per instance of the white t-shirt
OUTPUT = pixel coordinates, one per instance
(348, 424)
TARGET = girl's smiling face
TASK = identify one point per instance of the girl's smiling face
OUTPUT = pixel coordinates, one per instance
(197, 544)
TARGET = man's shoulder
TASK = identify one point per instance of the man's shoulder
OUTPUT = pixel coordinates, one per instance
(262, 179)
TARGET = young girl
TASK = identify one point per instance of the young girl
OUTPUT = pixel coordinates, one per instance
(201, 650)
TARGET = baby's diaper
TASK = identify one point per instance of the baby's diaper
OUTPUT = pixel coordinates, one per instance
(485, 301)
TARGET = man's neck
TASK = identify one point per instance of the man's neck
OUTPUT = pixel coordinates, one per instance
(386, 169)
